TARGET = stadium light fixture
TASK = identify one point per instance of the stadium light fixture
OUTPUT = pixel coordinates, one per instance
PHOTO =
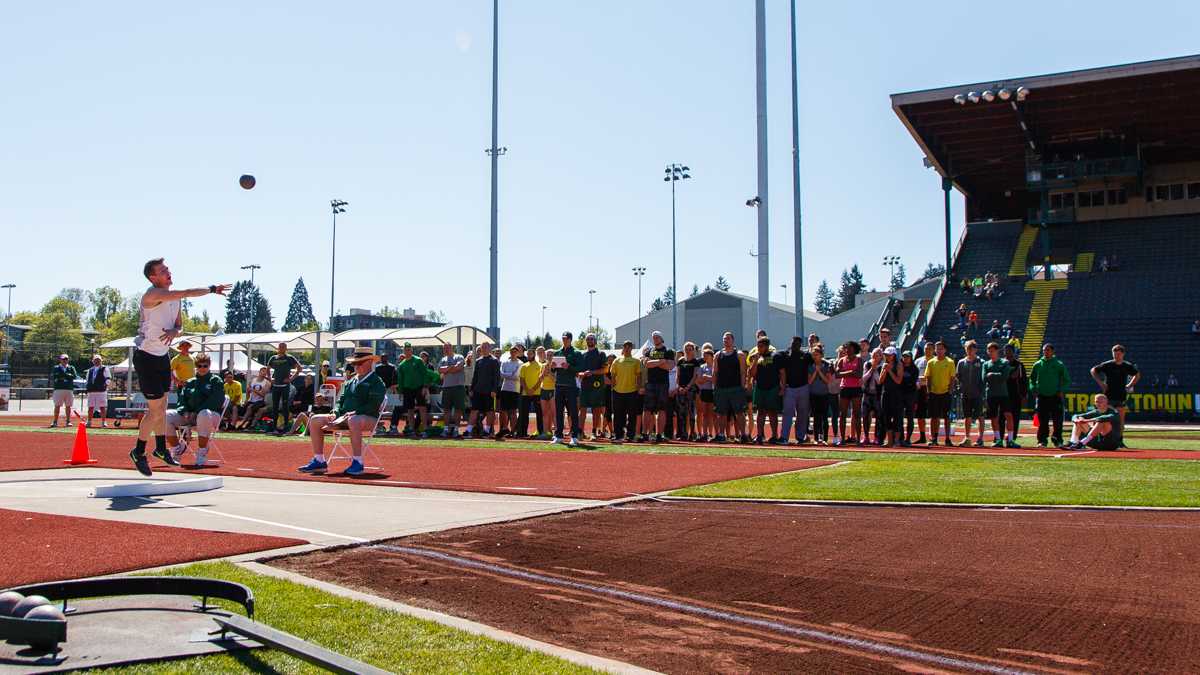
(675, 173)
(988, 95)
(753, 202)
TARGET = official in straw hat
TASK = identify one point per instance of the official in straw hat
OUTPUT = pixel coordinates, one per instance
(357, 411)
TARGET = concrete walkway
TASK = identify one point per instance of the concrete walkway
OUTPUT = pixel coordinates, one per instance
(324, 514)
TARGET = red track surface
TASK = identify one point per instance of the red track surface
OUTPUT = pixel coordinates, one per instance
(555, 474)
(844, 590)
(41, 547)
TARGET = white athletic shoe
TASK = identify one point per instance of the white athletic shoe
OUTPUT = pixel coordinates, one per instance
(553, 440)
(573, 443)
(178, 451)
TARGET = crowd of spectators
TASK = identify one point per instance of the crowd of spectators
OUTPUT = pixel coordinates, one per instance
(989, 286)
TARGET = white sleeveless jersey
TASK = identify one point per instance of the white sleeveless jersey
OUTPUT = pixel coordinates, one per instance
(155, 320)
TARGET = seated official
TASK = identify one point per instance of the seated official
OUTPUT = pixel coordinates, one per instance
(200, 402)
(357, 412)
(1100, 428)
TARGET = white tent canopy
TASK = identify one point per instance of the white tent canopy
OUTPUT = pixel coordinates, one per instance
(433, 336)
(239, 363)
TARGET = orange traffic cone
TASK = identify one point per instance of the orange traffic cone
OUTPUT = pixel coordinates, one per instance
(79, 450)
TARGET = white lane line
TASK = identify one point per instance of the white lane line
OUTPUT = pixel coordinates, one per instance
(412, 499)
(254, 520)
(862, 644)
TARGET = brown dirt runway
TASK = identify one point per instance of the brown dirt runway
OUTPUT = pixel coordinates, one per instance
(41, 547)
(856, 589)
(583, 475)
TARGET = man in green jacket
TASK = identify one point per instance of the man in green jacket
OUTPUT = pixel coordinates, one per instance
(201, 402)
(357, 412)
(412, 378)
(1048, 380)
(1099, 427)
(62, 379)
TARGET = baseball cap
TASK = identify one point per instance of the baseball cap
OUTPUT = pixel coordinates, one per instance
(890, 351)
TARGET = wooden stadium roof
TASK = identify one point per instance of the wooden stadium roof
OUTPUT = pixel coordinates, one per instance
(1150, 108)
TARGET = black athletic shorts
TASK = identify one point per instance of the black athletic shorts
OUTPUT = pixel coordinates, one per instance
(1105, 442)
(996, 407)
(939, 405)
(153, 373)
(414, 398)
(1015, 403)
(972, 407)
(481, 402)
(706, 395)
(508, 400)
(1116, 402)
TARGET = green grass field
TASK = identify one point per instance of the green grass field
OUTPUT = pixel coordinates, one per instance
(979, 480)
(383, 638)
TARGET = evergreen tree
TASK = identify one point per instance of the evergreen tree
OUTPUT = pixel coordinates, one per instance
(668, 296)
(657, 305)
(932, 271)
(851, 285)
(263, 321)
(300, 312)
(237, 310)
(722, 284)
(824, 301)
(898, 278)
(695, 291)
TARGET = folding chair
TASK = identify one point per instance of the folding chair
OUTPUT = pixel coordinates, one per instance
(185, 435)
(341, 442)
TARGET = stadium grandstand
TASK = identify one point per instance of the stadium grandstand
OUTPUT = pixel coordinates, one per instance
(1082, 193)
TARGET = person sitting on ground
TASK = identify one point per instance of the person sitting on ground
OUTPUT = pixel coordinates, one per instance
(200, 403)
(259, 387)
(1099, 428)
(322, 405)
(357, 412)
(302, 400)
(233, 390)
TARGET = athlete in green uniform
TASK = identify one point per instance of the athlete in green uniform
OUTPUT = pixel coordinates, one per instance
(1100, 428)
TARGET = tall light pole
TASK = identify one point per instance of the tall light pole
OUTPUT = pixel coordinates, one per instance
(253, 299)
(8, 316)
(639, 272)
(591, 295)
(799, 263)
(760, 71)
(494, 153)
(543, 335)
(675, 173)
(890, 261)
(336, 206)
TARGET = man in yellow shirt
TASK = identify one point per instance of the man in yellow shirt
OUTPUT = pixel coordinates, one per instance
(530, 377)
(628, 383)
(183, 366)
(233, 390)
(939, 375)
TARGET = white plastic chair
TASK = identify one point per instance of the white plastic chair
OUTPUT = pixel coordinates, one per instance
(342, 449)
(185, 435)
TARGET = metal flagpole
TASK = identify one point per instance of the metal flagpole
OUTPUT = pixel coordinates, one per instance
(494, 152)
(799, 287)
(760, 68)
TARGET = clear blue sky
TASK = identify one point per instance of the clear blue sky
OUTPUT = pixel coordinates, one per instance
(126, 126)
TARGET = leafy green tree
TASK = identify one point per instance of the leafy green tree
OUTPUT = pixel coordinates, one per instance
(437, 316)
(103, 302)
(603, 338)
(300, 311)
(824, 300)
(55, 330)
